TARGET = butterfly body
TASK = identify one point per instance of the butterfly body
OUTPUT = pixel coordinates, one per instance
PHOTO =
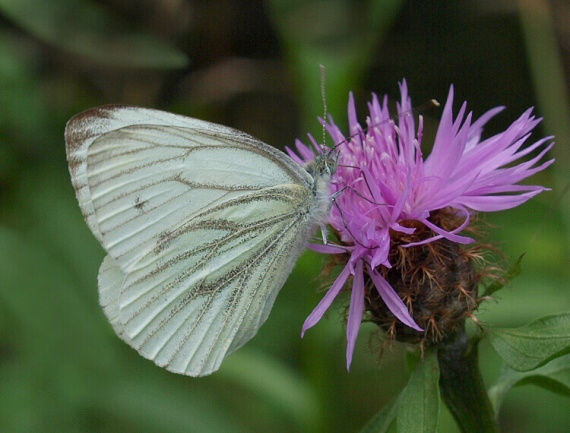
(202, 225)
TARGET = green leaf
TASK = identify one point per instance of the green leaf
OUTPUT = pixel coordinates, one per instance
(62, 231)
(85, 28)
(380, 423)
(533, 345)
(274, 382)
(48, 308)
(419, 408)
(51, 336)
(513, 272)
(554, 376)
(27, 120)
(63, 364)
(150, 404)
(411, 358)
(312, 36)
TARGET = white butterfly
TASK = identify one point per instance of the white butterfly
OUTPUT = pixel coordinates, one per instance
(202, 225)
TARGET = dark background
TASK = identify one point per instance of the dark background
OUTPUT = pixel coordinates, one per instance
(253, 65)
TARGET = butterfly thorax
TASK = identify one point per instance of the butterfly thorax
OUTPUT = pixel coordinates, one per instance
(321, 169)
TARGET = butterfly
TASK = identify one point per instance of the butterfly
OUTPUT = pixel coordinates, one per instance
(202, 225)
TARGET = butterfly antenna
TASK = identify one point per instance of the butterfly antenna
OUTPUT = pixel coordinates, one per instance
(432, 103)
(323, 74)
(345, 224)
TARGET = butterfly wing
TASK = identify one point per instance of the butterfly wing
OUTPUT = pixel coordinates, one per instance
(202, 225)
(84, 128)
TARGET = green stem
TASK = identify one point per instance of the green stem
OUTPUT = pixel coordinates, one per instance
(461, 385)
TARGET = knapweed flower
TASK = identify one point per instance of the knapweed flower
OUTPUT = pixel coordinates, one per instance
(399, 216)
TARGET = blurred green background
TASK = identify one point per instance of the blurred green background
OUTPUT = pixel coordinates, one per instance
(253, 65)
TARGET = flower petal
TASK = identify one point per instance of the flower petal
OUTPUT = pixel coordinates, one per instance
(294, 156)
(355, 312)
(392, 300)
(329, 248)
(451, 235)
(327, 300)
(383, 184)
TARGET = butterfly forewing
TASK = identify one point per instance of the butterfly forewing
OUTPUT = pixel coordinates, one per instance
(146, 180)
(202, 224)
(84, 128)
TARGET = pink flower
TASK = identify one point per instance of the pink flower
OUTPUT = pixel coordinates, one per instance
(384, 189)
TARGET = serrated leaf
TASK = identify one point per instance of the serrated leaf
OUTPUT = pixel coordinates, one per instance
(554, 376)
(513, 272)
(86, 28)
(381, 422)
(419, 408)
(533, 345)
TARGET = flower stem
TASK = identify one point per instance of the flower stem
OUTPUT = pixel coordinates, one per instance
(462, 387)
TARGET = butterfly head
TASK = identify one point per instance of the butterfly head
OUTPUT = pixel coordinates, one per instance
(324, 165)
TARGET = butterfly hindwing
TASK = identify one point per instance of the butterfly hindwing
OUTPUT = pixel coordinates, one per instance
(211, 289)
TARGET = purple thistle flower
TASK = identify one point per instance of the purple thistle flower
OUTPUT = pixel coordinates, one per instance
(384, 191)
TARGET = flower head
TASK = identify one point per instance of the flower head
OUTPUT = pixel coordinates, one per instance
(399, 217)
